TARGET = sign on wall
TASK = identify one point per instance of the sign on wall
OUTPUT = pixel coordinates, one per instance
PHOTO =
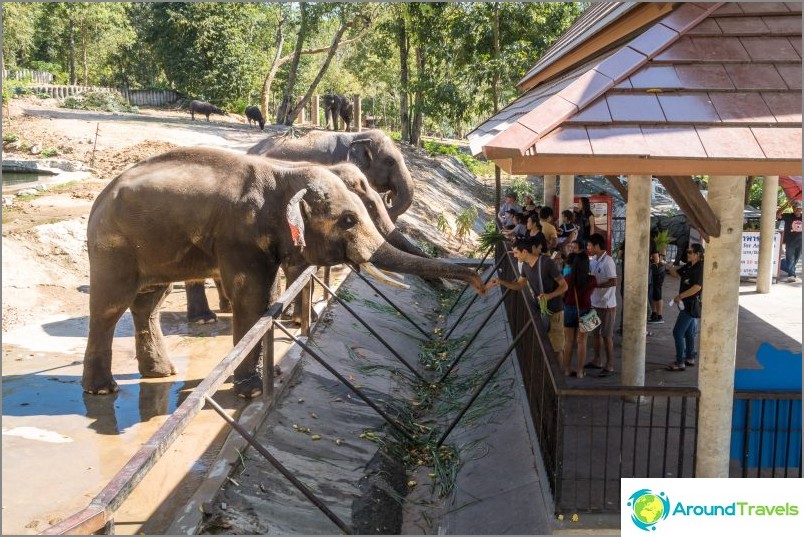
(749, 260)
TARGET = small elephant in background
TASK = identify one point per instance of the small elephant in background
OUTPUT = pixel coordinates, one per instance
(338, 106)
(205, 108)
(253, 114)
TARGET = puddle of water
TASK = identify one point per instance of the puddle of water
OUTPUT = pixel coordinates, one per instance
(18, 178)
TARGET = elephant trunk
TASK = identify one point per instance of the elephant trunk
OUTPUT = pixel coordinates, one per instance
(401, 195)
(389, 258)
(397, 239)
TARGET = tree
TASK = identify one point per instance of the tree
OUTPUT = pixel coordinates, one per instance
(19, 29)
(211, 50)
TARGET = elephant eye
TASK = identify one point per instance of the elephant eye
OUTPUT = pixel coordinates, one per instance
(389, 161)
(347, 221)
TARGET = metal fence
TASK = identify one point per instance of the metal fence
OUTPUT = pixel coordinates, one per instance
(592, 437)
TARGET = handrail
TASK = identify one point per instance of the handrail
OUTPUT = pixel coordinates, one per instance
(100, 511)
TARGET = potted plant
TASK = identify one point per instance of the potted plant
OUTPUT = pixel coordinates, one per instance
(661, 241)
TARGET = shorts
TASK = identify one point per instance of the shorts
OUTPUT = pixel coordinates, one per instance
(570, 317)
(607, 318)
(656, 292)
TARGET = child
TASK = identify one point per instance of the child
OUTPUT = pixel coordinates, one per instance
(657, 273)
(519, 229)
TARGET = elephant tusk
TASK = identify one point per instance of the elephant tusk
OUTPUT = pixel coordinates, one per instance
(377, 273)
(392, 275)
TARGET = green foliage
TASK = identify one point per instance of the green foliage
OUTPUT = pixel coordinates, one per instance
(50, 152)
(755, 194)
(662, 239)
(99, 99)
(490, 237)
(443, 224)
(9, 137)
(522, 187)
(465, 222)
(439, 148)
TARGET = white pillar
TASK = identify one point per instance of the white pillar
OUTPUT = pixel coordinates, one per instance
(358, 119)
(635, 274)
(767, 226)
(721, 290)
(567, 193)
(550, 195)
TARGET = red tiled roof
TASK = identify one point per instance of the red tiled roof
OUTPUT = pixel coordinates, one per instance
(708, 88)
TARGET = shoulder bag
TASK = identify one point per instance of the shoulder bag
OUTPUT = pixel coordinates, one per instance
(589, 320)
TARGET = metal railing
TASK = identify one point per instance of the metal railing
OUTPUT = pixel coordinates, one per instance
(592, 437)
(98, 516)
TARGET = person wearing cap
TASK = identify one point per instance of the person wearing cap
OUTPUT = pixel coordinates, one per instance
(792, 238)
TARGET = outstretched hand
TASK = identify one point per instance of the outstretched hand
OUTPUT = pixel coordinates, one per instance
(477, 283)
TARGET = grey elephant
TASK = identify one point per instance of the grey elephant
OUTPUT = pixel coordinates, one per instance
(372, 151)
(197, 213)
(338, 106)
(198, 310)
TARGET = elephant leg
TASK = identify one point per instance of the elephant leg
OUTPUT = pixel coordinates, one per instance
(152, 359)
(224, 304)
(111, 292)
(197, 305)
(292, 274)
(250, 292)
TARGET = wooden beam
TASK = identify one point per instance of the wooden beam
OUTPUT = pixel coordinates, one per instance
(617, 184)
(687, 194)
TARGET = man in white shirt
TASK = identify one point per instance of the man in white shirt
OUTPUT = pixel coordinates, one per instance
(604, 300)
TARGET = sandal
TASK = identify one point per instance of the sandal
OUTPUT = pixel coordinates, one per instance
(690, 363)
(605, 373)
(592, 365)
(675, 367)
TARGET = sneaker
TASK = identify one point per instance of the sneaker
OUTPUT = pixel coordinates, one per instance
(791, 279)
(655, 319)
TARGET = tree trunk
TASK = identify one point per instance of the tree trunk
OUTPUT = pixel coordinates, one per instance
(418, 104)
(287, 97)
(269, 79)
(332, 49)
(85, 80)
(71, 51)
(403, 81)
(495, 81)
(748, 182)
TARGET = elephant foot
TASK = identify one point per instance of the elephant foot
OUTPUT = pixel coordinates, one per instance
(225, 306)
(104, 386)
(206, 317)
(248, 388)
(157, 370)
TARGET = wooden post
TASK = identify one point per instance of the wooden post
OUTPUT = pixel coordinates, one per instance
(721, 292)
(635, 274)
(358, 113)
(767, 228)
(314, 111)
(268, 363)
(306, 305)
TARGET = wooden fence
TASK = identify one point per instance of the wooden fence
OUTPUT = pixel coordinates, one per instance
(40, 77)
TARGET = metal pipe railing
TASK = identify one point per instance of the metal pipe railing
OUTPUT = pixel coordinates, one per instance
(100, 510)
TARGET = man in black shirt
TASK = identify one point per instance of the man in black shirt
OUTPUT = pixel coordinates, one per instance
(546, 283)
(792, 238)
(688, 301)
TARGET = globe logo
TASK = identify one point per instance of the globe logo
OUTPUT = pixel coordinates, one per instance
(648, 508)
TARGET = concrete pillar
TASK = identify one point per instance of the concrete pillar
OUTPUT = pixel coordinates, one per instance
(314, 111)
(635, 275)
(550, 194)
(767, 226)
(358, 113)
(721, 290)
(567, 193)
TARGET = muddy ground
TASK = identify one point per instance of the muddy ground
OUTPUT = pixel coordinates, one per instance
(45, 268)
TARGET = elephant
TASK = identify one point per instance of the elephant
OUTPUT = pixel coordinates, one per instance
(198, 310)
(372, 151)
(338, 106)
(195, 213)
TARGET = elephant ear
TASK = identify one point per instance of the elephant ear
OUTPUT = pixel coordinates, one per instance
(296, 206)
(360, 153)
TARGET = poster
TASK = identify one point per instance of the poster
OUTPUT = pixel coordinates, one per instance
(749, 260)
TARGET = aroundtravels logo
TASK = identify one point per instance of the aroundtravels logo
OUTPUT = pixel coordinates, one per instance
(648, 508)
